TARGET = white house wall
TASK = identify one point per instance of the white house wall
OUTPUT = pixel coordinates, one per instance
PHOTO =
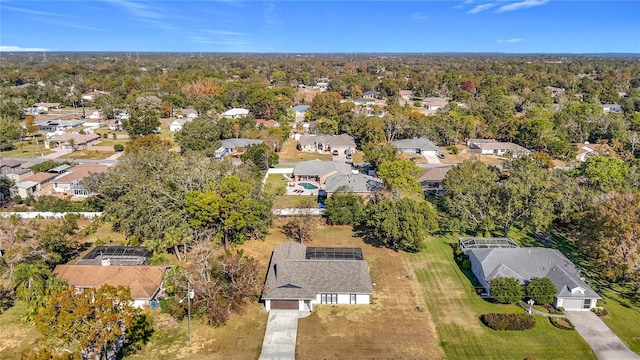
(574, 304)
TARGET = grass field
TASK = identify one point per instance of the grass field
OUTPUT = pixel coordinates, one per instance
(289, 153)
(15, 336)
(88, 154)
(392, 327)
(26, 149)
(456, 309)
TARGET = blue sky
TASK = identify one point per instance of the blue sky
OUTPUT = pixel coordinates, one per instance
(509, 26)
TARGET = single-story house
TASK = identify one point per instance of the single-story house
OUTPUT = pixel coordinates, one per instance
(25, 189)
(176, 125)
(366, 102)
(18, 174)
(96, 114)
(300, 110)
(94, 95)
(81, 141)
(266, 123)
(370, 94)
(233, 145)
(188, 114)
(343, 143)
(406, 94)
(432, 178)
(421, 146)
(235, 113)
(300, 277)
(318, 171)
(71, 182)
(494, 147)
(45, 107)
(523, 264)
(434, 103)
(145, 282)
(41, 178)
(611, 108)
(360, 184)
(9, 165)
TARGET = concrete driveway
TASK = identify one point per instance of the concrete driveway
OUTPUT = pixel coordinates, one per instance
(432, 159)
(602, 340)
(280, 336)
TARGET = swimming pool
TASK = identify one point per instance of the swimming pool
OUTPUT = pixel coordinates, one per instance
(308, 186)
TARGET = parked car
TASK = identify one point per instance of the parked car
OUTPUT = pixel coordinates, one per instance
(414, 159)
(441, 155)
(334, 153)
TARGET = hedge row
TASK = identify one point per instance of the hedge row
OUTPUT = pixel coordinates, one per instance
(509, 321)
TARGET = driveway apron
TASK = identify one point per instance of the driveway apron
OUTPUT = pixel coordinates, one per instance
(597, 334)
(280, 336)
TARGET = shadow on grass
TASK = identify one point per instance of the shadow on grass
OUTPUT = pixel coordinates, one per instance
(366, 234)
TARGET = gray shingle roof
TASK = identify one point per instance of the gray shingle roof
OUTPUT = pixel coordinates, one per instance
(291, 276)
(238, 143)
(317, 167)
(527, 263)
(342, 140)
(423, 144)
(357, 183)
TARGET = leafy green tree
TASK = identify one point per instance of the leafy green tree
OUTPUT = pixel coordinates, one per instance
(261, 156)
(376, 154)
(541, 290)
(605, 173)
(9, 132)
(89, 324)
(400, 176)
(345, 208)
(470, 195)
(402, 224)
(142, 122)
(200, 134)
(525, 197)
(506, 290)
(233, 209)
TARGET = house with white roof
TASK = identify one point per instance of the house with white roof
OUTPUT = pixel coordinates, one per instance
(235, 113)
(422, 146)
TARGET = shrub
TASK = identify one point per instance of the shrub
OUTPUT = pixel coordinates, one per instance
(506, 290)
(453, 149)
(466, 264)
(118, 147)
(600, 311)
(561, 323)
(541, 290)
(509, 321)
(551, 310)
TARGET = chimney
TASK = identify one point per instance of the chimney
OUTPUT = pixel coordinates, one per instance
(106, 262)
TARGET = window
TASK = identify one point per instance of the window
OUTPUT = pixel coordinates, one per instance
(328, 298)
(587, 304)
(352, 299)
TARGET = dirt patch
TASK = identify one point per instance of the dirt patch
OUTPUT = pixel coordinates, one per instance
(395, 325)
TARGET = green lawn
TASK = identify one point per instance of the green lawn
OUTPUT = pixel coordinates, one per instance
(456, 310)
(26, 149)
(15, 335)
(291, 201)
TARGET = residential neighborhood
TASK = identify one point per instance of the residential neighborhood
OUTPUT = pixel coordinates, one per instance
(281, 207)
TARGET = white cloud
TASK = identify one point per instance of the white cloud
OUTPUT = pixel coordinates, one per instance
(481, 8)
(508, 41)
(419, 16)
(138, 9)
(12, 48)
(271, 16)
(521, 5)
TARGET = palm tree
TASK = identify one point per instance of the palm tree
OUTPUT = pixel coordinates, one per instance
(29, 281)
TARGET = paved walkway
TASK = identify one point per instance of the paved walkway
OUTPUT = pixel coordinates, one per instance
(280, 336)
(597, 334)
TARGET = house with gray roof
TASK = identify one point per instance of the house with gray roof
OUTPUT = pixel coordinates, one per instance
(359, 184)
(421, 146)
(343, 143)
(494, 147)
(523, 264)
(300, 277)
(318, 170)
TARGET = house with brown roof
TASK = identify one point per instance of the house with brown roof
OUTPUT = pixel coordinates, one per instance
(145, 282)
(71, 182)
(432, 178)
(71, 141)
(300, 277)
